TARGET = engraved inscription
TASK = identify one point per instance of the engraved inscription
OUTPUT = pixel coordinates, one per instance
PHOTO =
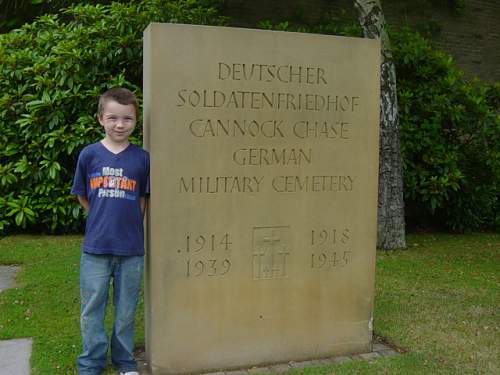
(271, 72)
(265, 100)
(330, 238)
(220, 184)
(339, 125)
(330, 259)
(226, 128)
(258, 184)
(262, 156)
(330, 248)
(209, 267)
(271, 248)
(206, 254)
(210, 242)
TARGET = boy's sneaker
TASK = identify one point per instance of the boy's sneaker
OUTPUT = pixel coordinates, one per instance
(129, 373)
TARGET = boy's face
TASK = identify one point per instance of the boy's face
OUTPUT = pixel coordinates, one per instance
(118, 121)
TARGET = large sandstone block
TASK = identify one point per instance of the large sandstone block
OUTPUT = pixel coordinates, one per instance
(262, 220)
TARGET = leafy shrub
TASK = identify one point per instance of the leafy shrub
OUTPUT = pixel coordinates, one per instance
(450, 134)
(450, 137)
(16, 13)
(331, 25)
(51, 74)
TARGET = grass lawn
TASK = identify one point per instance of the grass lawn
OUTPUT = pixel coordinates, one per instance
(439, 301)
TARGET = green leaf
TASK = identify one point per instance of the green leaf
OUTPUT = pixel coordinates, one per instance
(28, 211)
(12, 212)
(20, 218)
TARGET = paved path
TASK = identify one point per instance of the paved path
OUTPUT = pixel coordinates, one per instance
(379, 350)
(15, 357)
(14, 354)
(7, 276)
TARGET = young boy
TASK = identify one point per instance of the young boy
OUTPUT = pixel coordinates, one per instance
(112, 183)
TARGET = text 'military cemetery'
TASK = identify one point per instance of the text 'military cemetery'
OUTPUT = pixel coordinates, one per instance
(262, 221)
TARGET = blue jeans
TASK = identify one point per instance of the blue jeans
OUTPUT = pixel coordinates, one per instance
(96, 271)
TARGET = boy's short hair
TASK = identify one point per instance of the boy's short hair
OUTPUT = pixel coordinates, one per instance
(118, 94)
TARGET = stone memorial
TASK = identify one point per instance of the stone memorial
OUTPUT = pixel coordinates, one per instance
(261, 228)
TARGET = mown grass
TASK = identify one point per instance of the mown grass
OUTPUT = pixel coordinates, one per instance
(439, 301)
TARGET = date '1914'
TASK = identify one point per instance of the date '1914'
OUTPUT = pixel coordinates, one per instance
(211, 242)
(207, 254)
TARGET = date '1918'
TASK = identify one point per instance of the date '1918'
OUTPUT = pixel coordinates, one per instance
(330, 248)
(331, 237)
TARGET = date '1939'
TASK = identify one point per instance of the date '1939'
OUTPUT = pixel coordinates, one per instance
(210, 267)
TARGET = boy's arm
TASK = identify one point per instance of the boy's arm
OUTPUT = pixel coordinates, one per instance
(142, 203)
(84, 202)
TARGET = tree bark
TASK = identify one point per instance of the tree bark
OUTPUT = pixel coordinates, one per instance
(390, 214)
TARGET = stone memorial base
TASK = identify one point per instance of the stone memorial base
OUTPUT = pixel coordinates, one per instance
(379, 351)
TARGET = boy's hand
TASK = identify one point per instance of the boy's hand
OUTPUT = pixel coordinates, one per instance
(84, 202)
(142, 202)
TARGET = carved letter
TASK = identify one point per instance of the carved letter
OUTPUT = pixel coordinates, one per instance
(238, 159)
(180, 93)
(321, 73)
(224, 71)
(192, 129)
(299, 124)
(189, 187)
(354, 102)
(275, 184)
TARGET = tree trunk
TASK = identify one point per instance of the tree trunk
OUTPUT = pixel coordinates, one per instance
(390, 215)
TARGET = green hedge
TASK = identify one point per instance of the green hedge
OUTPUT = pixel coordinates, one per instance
(450, 138)
(53, 70)
(450, 134)
(51, 74)
(16, 13)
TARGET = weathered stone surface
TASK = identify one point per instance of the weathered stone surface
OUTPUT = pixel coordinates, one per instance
(237, 372)
(388, 352)
(342, 359)
(15, 357)
(379, 346)
(303, 364)
(262, 221)
(369, 356)
(259, 370)
(7, 276)
(280, 368)
(325, 361)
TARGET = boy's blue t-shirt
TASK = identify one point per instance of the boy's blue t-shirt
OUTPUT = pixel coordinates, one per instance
(113, 184)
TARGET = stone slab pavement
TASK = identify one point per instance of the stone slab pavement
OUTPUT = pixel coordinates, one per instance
(14, 354)
(15, 357)
(379, 350)
(7, 276)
